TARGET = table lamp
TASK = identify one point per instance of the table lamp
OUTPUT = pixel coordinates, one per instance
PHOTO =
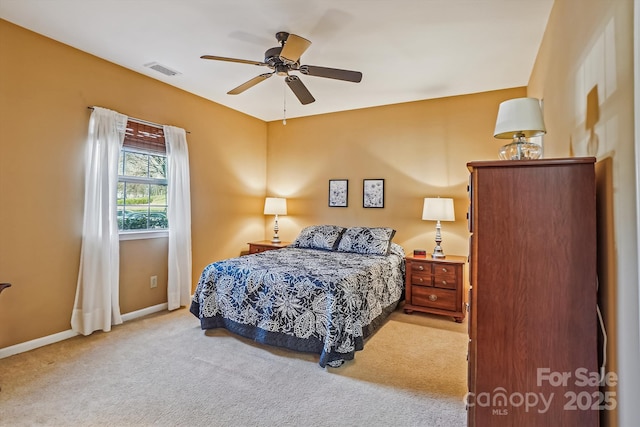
(438, 209)
(275, 206)
(519, 119)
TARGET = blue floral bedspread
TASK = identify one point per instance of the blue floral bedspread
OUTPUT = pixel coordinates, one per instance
(310, 300)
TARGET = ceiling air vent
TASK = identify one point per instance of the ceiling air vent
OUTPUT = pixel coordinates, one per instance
(162, 69)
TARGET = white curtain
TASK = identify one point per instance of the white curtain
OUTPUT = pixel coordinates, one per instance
(179, 215)
(97, 304)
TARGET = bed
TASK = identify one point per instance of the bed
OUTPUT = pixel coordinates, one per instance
(325, 293)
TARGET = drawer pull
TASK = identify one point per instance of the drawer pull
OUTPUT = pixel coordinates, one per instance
(433, 297)
(444, 270)
(419, 279)
(444, 282)
(420, 267)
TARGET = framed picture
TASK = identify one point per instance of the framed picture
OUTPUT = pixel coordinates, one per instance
(373, 193)
(338, 192)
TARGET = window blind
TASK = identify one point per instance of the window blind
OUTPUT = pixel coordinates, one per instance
(144, 137)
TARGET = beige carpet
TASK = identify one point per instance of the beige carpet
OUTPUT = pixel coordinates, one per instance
(164, 370)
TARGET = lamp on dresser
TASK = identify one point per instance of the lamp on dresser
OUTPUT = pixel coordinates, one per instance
(438, 209)
(519, 119)
(275, 206)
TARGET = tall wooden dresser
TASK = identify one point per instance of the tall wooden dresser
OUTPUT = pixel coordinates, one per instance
(533, 319)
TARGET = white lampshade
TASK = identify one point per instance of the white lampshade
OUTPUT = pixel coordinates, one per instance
(519, 116)
(275, 206)
(438, 209)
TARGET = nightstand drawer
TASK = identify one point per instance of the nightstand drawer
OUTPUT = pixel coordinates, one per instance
(433, 297)
(421, 279)
(265, 245)
(420, 267)
(445, 277)
(254, 249)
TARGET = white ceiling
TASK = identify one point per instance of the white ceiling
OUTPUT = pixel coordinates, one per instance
(407, 50)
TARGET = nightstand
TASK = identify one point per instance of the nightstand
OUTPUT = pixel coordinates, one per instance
(265, 245)
(435, 285)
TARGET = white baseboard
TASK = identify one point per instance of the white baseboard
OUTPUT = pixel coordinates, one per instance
(145, 311)
(38, 342)
(60, 336)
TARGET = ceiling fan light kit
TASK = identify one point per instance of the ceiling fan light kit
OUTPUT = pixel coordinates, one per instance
(284, 59)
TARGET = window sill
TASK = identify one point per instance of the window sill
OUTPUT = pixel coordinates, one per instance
(147, 234)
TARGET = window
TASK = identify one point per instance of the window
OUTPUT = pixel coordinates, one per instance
(142, 179)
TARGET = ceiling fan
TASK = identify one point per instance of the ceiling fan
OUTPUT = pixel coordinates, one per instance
(285, 58)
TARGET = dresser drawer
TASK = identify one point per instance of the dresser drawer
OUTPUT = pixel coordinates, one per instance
(433, 297)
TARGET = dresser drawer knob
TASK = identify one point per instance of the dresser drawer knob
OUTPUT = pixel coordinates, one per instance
(419, 279)
(444, 270)
(420, 267)
(444, 282)
(433, 297)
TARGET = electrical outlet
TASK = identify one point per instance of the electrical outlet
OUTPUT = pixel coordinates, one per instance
(154, 281)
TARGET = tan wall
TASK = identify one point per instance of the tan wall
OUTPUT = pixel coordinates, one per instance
(45, 88)
(420, 149)
(584, 72)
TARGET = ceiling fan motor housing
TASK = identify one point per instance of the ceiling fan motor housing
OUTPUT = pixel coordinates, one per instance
(272, 56)
(273, 60)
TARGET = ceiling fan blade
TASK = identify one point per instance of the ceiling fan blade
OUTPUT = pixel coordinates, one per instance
(222, 58)
(300, 90)
(246, 85)
(293, 48)
(331, 73)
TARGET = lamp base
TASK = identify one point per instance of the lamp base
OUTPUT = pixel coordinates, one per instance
(438, 252)
(520, 151)
(276, 238)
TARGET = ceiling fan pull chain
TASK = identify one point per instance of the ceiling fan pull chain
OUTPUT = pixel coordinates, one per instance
(284, 112)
